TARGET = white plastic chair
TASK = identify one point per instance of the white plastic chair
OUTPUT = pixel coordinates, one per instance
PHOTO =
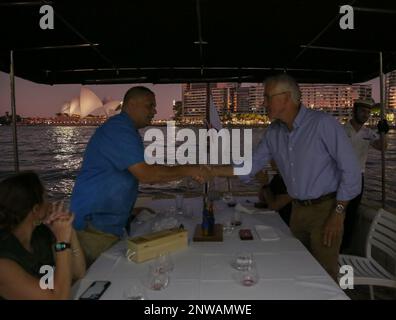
(367, 271)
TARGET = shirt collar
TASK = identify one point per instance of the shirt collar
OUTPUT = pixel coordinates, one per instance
(125, 116)
(297, 120)
(300, 116)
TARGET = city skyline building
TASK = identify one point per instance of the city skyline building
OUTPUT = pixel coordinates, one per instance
(232, 98)
(333, 96)
(390, 93)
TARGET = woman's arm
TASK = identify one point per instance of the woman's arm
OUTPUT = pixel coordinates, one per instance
(17, 284)
(78, 266)
(275, 202)
(60, 222)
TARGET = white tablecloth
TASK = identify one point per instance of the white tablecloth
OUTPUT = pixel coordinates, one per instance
(203, 271)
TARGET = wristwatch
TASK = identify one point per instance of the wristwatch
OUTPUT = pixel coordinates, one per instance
(340, 209)
(61, 246)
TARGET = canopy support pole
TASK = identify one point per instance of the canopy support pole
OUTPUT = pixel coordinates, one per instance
(207, 118)
(382, 115)
(14, 115)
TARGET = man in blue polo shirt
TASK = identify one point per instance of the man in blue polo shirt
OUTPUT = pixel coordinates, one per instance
(107, 185)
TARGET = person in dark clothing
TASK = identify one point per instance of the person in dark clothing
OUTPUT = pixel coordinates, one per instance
(36, 237)
(274, 194)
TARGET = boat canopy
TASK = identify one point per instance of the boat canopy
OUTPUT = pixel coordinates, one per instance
(178, 41)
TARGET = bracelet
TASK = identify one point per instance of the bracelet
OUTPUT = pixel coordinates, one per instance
(75, 252)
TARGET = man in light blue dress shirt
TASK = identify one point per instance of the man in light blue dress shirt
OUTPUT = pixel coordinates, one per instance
(317, 163)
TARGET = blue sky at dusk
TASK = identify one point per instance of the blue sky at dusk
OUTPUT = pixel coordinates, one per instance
(33, 99)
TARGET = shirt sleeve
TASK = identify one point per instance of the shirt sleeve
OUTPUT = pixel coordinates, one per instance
(261, 156)
(122, 146)
(341, 150)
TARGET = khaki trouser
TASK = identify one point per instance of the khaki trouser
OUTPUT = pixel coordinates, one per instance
(94, 242)
(307, 223)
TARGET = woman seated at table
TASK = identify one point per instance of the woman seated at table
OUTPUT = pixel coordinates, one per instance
(35, 235)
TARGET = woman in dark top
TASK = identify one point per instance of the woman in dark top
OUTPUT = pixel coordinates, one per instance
(36, 236)
(274, 194)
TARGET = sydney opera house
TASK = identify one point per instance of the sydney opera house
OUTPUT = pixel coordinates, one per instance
(88, 104)
(86, 109)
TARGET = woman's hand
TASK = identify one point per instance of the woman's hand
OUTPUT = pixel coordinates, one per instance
(60, 222)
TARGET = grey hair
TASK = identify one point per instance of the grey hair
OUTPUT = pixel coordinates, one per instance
(286, 83)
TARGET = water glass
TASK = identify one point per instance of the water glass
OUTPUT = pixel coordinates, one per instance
(135, 291)
(179, 200)
(228, 227)
(157, 278)
(243, 261)
(248, 277)
(236, 219)
(229, 199)
(163, 263)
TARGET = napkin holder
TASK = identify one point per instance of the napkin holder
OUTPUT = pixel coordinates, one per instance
(149, 246)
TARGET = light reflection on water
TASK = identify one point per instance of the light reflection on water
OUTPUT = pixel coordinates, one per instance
(56, 154)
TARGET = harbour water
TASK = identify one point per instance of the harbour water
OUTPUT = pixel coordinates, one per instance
(56, 154)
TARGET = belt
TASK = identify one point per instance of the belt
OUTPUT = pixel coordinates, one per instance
(309, 202)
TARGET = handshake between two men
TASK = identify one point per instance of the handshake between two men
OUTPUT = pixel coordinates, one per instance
(204, 173)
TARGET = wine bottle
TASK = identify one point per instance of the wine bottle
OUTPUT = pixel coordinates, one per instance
(208, 220)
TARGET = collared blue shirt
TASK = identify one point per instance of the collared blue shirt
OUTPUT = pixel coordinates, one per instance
(314, 159)
(105, 191)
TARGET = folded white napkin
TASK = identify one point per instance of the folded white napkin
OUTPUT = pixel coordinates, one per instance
(243, 209)
(267, 233)
(145, 216)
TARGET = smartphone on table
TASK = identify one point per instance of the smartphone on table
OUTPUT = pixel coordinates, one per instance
(95, 290)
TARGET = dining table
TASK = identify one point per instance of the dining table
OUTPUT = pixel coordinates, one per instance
(205, 270)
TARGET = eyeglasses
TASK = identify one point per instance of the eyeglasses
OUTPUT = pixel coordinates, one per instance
(268, 98)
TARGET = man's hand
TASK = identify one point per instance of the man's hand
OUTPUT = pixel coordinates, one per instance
(333, 228)
(201, 173)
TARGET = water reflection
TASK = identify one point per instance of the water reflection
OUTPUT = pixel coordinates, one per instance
(55, 153)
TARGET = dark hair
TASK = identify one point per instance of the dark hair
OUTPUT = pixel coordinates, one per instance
(135, 92)
(18, 195)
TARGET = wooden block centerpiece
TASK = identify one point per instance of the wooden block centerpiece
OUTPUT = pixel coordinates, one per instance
(216, 236)
(149, 246)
